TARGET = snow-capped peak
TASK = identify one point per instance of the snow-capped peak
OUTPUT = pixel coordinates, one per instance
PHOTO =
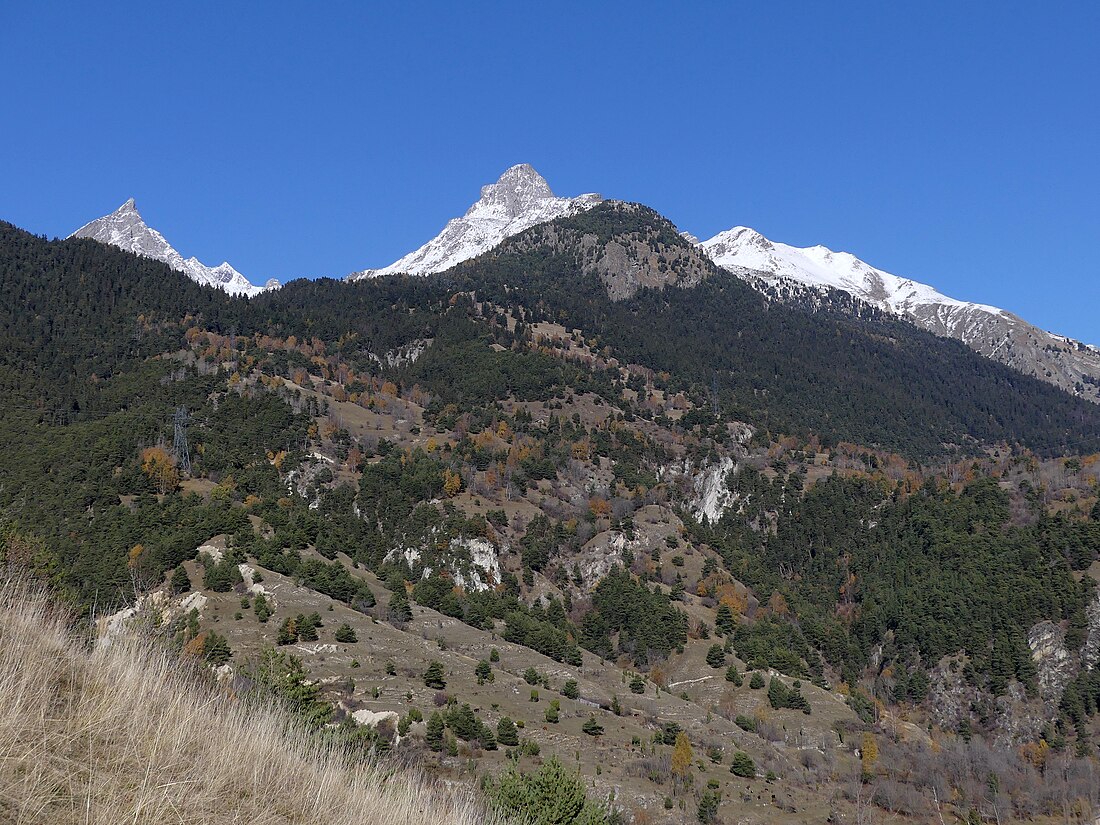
(520, 199)
(819, 266)
(989, 330)
(126, 229)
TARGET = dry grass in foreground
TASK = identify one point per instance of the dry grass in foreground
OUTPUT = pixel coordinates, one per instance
(122, 734)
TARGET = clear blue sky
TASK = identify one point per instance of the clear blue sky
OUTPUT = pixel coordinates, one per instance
(954, 143)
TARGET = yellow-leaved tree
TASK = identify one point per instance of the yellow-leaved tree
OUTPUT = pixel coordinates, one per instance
(682, 757)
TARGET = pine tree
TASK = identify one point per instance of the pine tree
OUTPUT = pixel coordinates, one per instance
(483, 672)
(180, 582)
(399, 610)
(433, 676)
(262, 608)
(345, 634)
(716, 657)
(742, 765)
(434, 734)
(723, 622)
(570, 690)
(734, 675)
(507, 734)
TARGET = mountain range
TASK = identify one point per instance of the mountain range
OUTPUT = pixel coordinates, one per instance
(521, 198)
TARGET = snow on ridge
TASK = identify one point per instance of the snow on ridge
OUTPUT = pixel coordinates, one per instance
(818, 266)
(520, 199)
(124, 228)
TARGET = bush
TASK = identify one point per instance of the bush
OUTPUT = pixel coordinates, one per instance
(551, 795)
(746, 723)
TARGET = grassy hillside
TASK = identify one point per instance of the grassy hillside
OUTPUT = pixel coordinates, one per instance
(124, 733)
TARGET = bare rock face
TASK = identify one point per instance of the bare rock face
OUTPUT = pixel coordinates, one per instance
(949, 697)
(648, 252)
(1053, 662)
(1090, 652)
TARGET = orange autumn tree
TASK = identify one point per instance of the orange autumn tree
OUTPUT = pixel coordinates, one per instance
(160, 468)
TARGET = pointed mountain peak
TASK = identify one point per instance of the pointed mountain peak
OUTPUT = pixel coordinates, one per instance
(518, 189)
(520, 199)
(125, 229)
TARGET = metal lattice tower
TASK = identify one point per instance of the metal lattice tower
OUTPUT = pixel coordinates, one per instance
(179, 442)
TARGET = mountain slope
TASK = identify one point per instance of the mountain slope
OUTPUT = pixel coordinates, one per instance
(990, 331)
(520, 199)
(123, 711)
(126, 229)
(839, 367)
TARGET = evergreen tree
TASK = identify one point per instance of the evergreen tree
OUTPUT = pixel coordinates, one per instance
(180, 582)
(345, 634)
(742, 765)
(433, 737)
(433, 676)
(507, 734)
(716, 656)
(592, 727)
(723, 623)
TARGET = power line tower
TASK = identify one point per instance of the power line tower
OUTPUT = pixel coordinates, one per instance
(715, 405)
(179, 442)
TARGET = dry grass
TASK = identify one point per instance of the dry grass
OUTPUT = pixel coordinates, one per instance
(122, 734)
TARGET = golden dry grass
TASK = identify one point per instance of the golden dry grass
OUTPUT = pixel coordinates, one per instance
(122, 734)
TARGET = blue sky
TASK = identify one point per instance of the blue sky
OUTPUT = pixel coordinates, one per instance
(954, 143)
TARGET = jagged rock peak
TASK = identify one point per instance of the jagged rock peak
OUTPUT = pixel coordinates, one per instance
(518, 189)
(520, 199)
(124, 228)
